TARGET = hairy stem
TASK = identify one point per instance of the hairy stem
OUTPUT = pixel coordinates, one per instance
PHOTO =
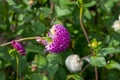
(83, 29)
(28, 38)
(86, 36)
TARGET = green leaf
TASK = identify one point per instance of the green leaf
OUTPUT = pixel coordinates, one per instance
(3, 26)
(106, 51)
(62, 12)
(4, 54)
(90, 4)
(65, 3)
(22, 64)
(109, 4)
(34, 48)
(2, 76)
(87, 13)
(36, 76)
(27, 18)
(97, 61)
(61, 76)
(55, 58)
(41, 61)
(39, 28)
(113, 65)
(74, 77)
(53, 61)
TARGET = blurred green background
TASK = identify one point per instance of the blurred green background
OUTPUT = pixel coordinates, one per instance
(29, 18)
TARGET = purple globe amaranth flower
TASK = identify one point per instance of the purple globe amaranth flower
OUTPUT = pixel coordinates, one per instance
(60, 39)
(20, 49)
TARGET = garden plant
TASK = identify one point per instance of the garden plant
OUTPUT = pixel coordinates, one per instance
(59, 39)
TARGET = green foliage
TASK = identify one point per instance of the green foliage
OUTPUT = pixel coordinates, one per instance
(29, 18)
(74, 77)
(41, 61)
(113, 64)
(97, 61)
(2, 76)
(36, 76)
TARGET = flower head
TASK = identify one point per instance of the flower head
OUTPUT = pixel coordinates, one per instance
(73, 63)
(20, 49)
(60, 39)
(116, 25)
(57, 40)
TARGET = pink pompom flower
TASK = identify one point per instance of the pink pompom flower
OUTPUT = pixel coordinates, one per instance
(59, 39)
(19, 48)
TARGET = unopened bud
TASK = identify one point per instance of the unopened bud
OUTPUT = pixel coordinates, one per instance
(73, 63)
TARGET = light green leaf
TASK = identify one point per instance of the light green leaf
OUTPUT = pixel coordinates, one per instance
(97, 61)
(36, 76)
(41, 61)
(3, 26)
(62, 12)
(74, 77)
(87, 13)
(113, 65)
(92, 3)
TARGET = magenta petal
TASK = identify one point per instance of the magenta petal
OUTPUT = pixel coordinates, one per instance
(20, 49)
(60, 39)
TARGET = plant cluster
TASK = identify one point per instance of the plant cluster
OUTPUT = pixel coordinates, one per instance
(59, 40)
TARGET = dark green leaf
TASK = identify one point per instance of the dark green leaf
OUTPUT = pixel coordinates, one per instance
(106, 51)
(53, 61)
(34, 48)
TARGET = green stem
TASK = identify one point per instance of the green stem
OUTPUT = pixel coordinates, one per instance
(86, 35)
(28, 38)
(17, 64)
(82, 26)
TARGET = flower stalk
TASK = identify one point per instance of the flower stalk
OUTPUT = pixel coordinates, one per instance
(86, 35)
(19, 40)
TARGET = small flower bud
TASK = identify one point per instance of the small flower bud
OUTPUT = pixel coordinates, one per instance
(34, 67)
(41, 40)
(73, 63)
(20, 49)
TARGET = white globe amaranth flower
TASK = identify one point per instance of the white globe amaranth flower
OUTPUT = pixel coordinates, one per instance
(73, 63)
(116, 25)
